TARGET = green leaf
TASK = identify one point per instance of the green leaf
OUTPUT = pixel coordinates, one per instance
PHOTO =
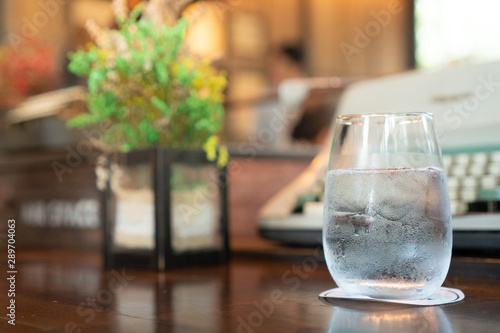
(103, 105)
(161, 71)
(126, 147)
(161, 105)
(123, 66)
(83, 120)
(79, 64)
(95, 78)
(149, 132)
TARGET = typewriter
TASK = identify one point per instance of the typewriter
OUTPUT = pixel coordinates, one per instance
(465, 102)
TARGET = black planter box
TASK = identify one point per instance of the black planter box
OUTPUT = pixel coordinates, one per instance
(165, 209)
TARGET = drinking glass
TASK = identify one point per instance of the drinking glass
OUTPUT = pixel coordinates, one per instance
(387, 222)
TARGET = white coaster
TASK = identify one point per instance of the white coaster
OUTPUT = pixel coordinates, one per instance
(441, 296)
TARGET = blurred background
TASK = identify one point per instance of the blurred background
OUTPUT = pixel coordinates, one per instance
(259, 43)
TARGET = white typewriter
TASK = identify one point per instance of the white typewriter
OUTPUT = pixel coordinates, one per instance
(465, 102)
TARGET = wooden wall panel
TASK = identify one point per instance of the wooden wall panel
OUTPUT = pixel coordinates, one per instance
(322, 37)
(252, 185)
(283, 17)
(285, 25)
(49, 213)
(344, 23)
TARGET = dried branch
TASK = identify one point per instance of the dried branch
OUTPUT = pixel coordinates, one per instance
(166, 11)
(181, 5)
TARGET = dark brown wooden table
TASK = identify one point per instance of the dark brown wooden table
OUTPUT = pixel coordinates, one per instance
(265, 288)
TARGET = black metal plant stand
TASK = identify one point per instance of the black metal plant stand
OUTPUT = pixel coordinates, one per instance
(156, 167)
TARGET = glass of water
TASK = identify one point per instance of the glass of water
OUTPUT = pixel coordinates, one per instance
(387, 222)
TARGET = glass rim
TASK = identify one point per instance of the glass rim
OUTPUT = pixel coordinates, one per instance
(383, 114)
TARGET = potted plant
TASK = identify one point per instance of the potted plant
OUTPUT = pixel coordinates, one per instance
(161, 108)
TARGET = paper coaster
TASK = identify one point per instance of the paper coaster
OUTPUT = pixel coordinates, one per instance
(441, 296)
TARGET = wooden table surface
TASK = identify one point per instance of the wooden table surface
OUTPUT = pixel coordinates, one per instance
(262, 289)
